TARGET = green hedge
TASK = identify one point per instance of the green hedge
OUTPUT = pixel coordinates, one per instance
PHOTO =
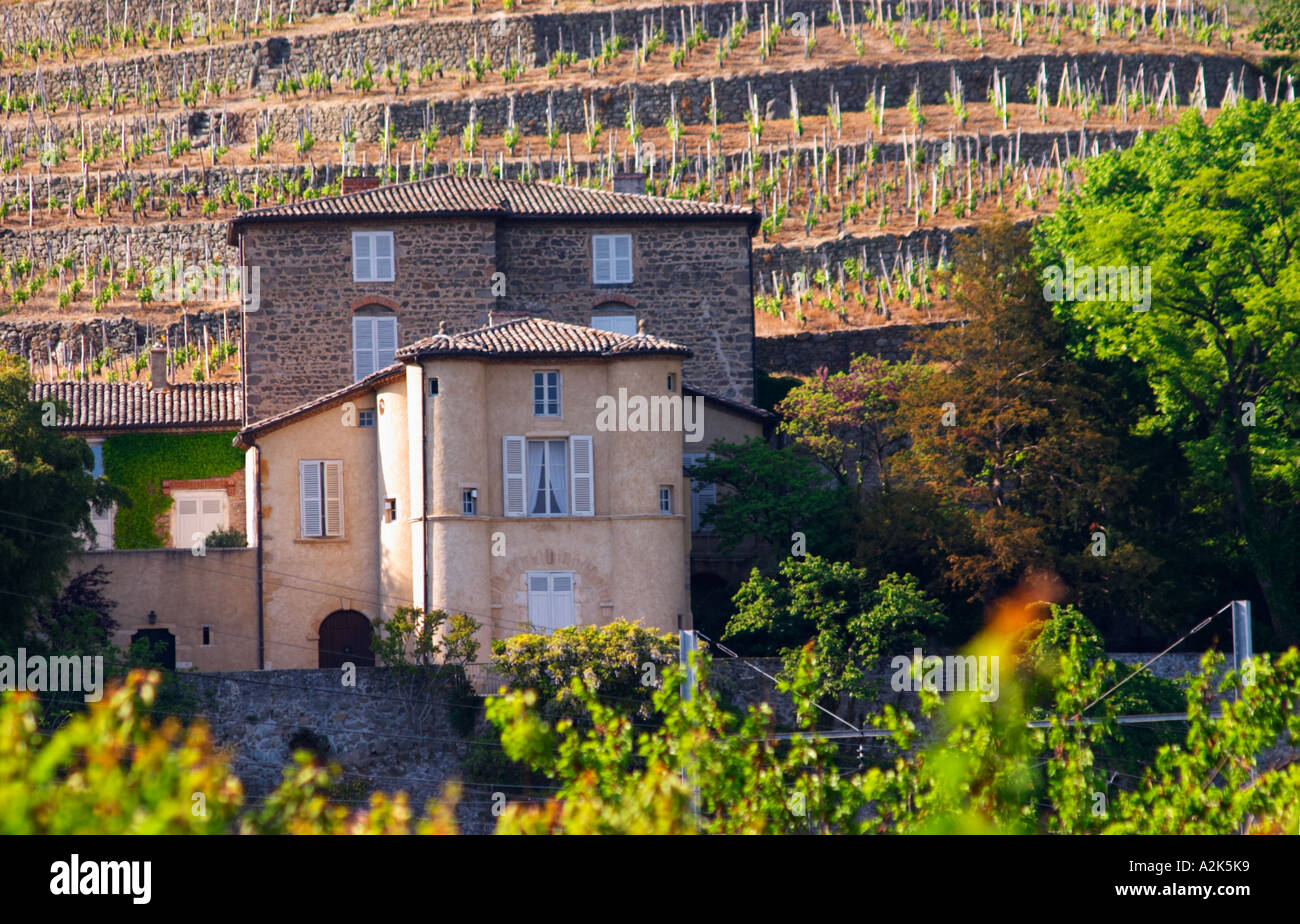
(139, 462)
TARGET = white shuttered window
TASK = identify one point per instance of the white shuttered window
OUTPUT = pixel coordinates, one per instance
(372, 256)
(611, 258)
(374, 341)
(548, 477)
(320, 498)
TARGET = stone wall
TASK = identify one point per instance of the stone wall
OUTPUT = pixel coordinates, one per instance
(64, 340)
(804, 352)
(853, 83)
(374, 739)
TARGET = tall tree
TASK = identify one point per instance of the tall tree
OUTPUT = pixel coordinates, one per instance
(1212, 213)
(844, 420)
(46, 494)
(1003, 432)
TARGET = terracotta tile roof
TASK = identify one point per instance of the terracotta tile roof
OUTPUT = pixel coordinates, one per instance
(135, 406)
(455, 196)
(527, 337)
(740, 407)
(246, 436)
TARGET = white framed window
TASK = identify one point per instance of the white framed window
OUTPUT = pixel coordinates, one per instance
(198, 513)
(372, 256)
(103, 522)
(550, 599)
(366, 418)
(615, 323)
(546, 394)
(611, 259)
(320, 498)
(547, 478)
(390, 510)
(666, 499)
(469, 502)
(374, 341)
(703, 493)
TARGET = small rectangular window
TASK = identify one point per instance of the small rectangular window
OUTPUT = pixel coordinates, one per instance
(433, 387)
(611, 259)
(207, 635)
(372, 256)
(366, 418)
(615, 323)
(666, 500)
(672, 381)
(390, 510)
(546, 394)
(469, 502)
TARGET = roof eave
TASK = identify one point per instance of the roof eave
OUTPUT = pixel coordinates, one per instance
(752, 219)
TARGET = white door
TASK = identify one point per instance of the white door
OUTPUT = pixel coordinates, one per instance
(198, 513)
(550, 600)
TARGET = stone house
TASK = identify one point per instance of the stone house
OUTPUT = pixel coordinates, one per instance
(362, 490)
(342, 282)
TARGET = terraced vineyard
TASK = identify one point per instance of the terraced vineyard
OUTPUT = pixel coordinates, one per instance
(866, 134)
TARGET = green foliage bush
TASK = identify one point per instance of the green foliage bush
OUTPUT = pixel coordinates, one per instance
(620, 661)
(139, 462)
(226, 539)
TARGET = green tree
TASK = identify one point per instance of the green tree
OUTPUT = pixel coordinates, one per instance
(845, 421)
(427, 654)
(1279, 25)
(771, 494)
(1214, 213)
(46, 496)
(852, 623)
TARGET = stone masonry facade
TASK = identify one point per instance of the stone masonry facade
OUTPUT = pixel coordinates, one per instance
(691, 285)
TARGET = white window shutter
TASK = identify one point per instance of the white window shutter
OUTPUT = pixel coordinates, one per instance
(333, 472)
(363, 268)
(363, 347)
(602, 259)
(583, 491)
(383, 256)
(561, 600)
(539, 601)
(514, 487)
(622, 258)
(385, 341)
(309, 498)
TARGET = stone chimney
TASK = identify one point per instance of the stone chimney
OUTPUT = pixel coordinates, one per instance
(158, 366)
(632, 183)
(353, 184)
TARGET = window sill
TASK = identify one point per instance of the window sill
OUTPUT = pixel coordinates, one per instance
(315, 540)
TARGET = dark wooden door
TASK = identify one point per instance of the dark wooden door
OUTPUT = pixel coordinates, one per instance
(345, 636)
(162, 646)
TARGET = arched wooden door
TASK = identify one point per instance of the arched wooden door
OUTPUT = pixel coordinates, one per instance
(345, 636)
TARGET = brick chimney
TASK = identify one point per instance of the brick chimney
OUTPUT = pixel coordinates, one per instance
(353, 184)
(632, 183)
(158, 366)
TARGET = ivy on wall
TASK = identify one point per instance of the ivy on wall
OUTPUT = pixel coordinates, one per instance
(139, 462)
